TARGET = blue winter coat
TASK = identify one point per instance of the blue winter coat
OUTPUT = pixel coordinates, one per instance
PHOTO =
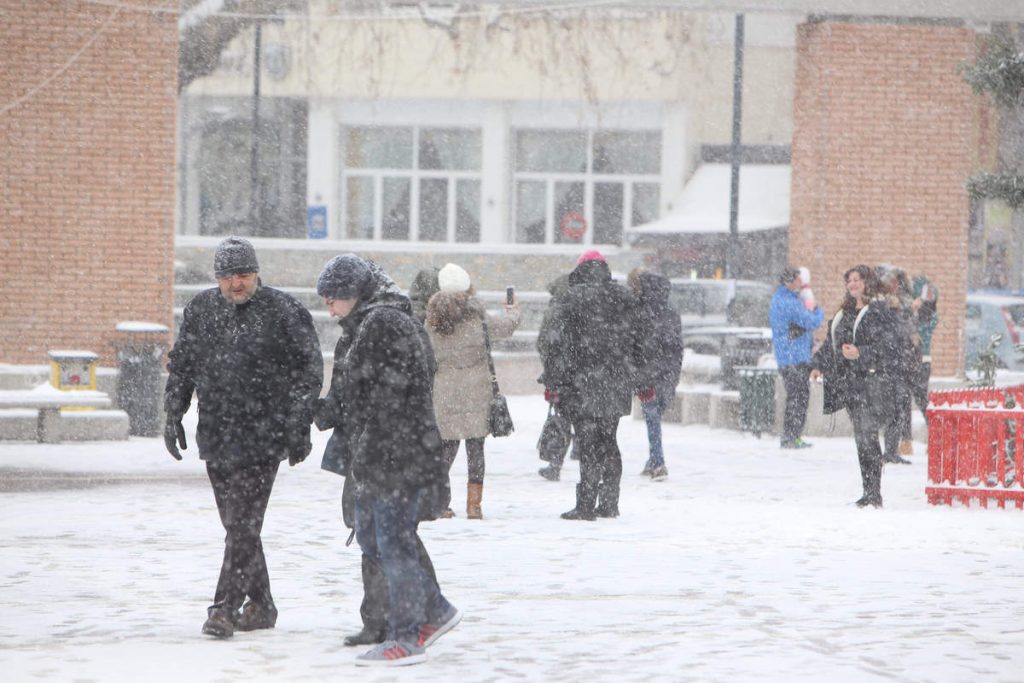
(792, 327)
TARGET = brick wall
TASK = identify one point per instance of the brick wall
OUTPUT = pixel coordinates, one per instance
(885, 135)
(87, 124)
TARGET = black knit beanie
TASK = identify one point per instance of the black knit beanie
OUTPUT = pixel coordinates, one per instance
(234, 255)
(344, 277)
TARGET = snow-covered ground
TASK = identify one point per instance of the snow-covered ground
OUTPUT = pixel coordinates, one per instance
(749, 563)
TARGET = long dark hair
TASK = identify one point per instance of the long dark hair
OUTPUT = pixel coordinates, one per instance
(872, 287)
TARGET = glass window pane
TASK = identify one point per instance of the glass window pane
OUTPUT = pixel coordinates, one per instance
(434, 209)
(531, 204)
(359, 208)
(627, 152)
(551, 151)
(568, 212)
(467, 211)
(449, 149)
(608, 213)
(645, 202)
(378, 147)
(395, 209)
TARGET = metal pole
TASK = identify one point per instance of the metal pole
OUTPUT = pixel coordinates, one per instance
(255, 195)
(734, 150)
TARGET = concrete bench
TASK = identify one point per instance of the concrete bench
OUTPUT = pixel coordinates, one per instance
(48, 402)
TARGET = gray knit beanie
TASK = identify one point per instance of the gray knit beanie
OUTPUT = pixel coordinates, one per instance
(344, 277)
(234, 255)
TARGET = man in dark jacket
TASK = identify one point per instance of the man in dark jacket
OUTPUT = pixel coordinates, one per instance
(590, 353)
(251, 355)
(381, 404)
(661, 343)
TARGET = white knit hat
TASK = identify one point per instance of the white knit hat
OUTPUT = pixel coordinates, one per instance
(452, 278)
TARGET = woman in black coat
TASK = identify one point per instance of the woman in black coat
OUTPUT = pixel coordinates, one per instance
(589, 350)
(858, 362)
(661, 352)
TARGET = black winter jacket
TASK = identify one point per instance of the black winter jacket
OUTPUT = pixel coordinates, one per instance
(589, 346)
(869, 380)
(660, 337)
(380, 402)
(256, 368)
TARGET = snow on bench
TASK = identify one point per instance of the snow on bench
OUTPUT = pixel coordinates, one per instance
(48, 401)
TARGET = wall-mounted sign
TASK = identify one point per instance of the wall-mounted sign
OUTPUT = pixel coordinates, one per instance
(316, 222)
(573, 225)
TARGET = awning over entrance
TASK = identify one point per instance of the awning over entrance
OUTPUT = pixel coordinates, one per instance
(703, 205)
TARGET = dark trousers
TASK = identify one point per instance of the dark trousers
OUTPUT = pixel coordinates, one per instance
(920, 387)
(474, 457)
(869, 449)
(374, 608)
(242, 494)
(796, 379)
(898, 427)
(600, 463)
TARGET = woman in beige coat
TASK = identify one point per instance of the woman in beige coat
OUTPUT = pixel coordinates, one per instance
(462, 384)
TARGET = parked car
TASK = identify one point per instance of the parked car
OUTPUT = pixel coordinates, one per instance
(725, 318)
(991, 314)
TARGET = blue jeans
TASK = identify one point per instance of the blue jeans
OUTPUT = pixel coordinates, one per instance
(386, 532)
(652, 416)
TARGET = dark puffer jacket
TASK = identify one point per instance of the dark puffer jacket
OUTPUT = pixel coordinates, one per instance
(661, 339)
(380, 402)
(589, 345)
(256, 368)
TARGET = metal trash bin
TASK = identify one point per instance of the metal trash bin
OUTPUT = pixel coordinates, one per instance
(140, 348)
(757, 399)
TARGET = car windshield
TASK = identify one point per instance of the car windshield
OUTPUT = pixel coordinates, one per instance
(1016, 313)
(700, 298)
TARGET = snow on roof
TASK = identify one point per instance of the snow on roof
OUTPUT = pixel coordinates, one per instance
(703, 205)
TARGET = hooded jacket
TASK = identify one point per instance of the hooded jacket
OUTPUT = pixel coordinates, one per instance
(379, 403)
(589, 345)
(660, 338)
(793, 327)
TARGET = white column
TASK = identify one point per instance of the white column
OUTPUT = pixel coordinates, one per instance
(494, 185)
(322, 163)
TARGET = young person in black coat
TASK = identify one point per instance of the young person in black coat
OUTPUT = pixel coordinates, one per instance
(661, 339)
(589, 352)
(381, 408)
(251, 355)
(858, 364)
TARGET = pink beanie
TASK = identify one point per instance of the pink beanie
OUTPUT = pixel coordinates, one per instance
(590, 255)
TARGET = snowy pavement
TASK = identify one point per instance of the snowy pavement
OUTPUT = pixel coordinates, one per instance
(748, 563)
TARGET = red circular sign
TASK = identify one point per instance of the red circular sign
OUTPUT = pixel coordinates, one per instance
(573, 225)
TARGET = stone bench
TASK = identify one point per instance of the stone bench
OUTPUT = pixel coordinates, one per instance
(46, 402)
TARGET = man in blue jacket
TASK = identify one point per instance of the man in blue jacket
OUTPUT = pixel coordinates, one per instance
(793, 328)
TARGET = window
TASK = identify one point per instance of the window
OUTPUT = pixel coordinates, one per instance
(411, 183)
(584, 187)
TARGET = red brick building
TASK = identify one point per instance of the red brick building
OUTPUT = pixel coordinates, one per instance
(885, 133)
(87, 127)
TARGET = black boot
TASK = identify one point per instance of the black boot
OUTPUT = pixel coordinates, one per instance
(584, 506)
(871, 476)
(256, 616)
(220, 622)
(550, 473)
(368, 636)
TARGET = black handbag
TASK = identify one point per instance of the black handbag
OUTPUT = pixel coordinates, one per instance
(555, 436)
(499, 420)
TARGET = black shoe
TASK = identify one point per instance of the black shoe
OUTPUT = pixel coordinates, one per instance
(256, 616)
(549, 473)
(368, 636)
(219, 623)
(895, 460)
(576, 513)
(607, 512)
(873, 501)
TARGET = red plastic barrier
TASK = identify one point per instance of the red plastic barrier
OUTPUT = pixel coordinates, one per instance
(976, 446)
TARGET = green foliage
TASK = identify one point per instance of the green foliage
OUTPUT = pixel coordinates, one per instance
(987, 363)
(1004, 186)
(999, 72)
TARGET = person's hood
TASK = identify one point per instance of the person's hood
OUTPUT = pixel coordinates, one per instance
(379, 291)
(654, 289)
(590, 272)
(447, 309)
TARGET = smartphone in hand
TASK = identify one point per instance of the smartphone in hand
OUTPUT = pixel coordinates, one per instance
(510, 293)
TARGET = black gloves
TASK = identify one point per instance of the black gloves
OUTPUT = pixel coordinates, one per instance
(297, 440)
(174, 432)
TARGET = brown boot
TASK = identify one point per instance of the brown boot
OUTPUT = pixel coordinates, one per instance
(906, 447)
(474, 494)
